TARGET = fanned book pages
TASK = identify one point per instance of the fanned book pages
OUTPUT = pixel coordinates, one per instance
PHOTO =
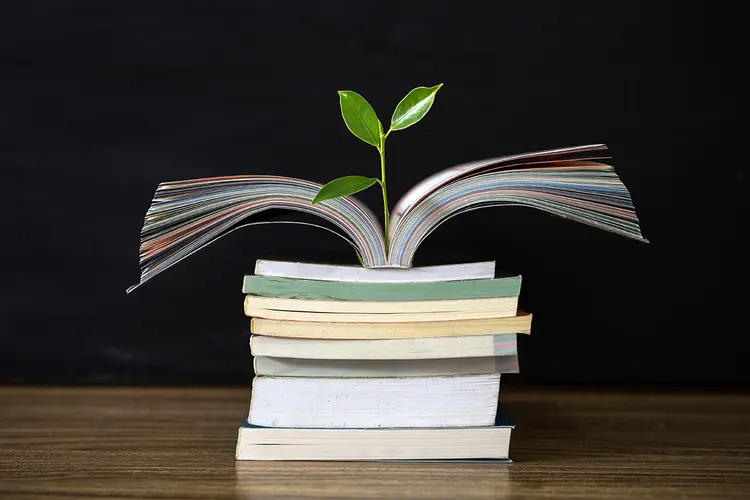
(185, 216)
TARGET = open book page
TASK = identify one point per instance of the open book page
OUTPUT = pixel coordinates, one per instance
(424, 188)
(185, 216)
(587, 192)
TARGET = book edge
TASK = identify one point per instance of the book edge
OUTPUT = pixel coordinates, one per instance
(261, 267)
(498, 361)
(524, 329)
(302, 282)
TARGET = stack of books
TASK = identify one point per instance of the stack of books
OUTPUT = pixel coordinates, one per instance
(386, 361)
(356, 363)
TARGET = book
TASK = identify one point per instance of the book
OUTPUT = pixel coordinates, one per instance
(350, 403)
(295, 310)
(256, 302)
(186, 216)
(300, 367)
(359, 274)
(263, 443)
(472, 346)
(415, 329)
(377, 292)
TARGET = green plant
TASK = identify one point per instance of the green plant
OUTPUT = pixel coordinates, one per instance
(362, 121)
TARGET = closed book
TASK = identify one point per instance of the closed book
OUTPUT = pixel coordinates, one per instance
(333, 290)
(378, 312)
(520, 323)
(350, 403)
(253, 302)
(327, 272)
(298, 367)
(471, 346)
(449, 444)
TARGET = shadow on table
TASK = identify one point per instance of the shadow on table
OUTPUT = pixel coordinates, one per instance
(543, 432)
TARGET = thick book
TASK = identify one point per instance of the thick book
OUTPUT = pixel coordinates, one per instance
(300, 367)
(373, 312)
(377, 292)
(571, 182)
(326, 272)
(351, 403)
(471, 346)
(448, 444)
(520, 323)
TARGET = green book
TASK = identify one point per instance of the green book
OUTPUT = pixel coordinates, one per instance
(332, 290)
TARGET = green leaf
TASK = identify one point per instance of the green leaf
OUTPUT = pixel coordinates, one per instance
(343, 186)
(359, 117)
(413, 107)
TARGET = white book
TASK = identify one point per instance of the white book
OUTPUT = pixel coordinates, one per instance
(468, 443)
(471, 346)
(327, 272)
(297, 367)
(356, 403)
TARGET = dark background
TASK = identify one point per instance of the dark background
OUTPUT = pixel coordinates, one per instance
(103, 100)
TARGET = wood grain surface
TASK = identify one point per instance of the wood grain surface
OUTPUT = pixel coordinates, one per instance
(179, 443)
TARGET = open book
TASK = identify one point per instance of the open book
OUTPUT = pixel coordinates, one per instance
(185, 216)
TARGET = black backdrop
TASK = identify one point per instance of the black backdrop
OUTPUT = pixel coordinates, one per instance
(103, 100)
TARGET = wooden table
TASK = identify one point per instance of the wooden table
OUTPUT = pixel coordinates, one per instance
(179, 443)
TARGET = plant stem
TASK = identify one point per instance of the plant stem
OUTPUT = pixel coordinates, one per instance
(386, 212)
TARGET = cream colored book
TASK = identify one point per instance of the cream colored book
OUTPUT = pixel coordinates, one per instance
(378, 312)
(470, 346)
(358, 403)
(463, 443)
(379, 307)
(416, 329)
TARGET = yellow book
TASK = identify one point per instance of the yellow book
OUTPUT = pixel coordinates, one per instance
(416, 329)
